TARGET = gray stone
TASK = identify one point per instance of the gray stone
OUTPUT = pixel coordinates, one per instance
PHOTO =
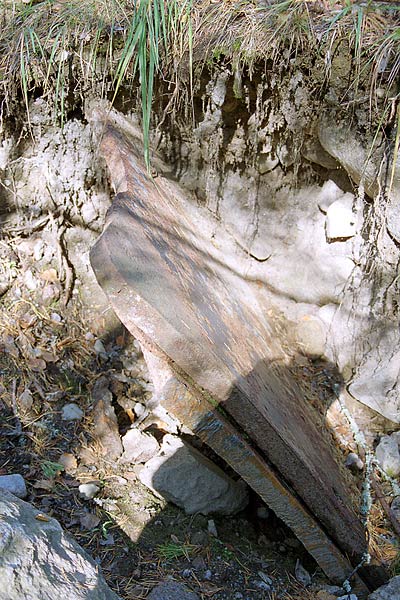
(138, 447)
(171, 590)
(388, 455)
(182, 475)
(348, 597)
(71, 412)
(38, 561)
(389, 591)
(15, 484)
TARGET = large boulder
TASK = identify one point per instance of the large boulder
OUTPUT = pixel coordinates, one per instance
(38, 561)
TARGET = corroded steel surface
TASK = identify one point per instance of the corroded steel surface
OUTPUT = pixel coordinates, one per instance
(178, 283)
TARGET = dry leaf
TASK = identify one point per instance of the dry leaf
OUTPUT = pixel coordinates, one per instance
(89, 521)
(26, 399)
(44, 484)
(42, 517)
(69, 461)
(36, 364)
(49, 275)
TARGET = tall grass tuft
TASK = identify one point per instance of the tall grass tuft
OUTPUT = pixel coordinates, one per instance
(68, 47)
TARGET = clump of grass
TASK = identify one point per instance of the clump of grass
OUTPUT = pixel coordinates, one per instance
(65, 49)
(174, 550)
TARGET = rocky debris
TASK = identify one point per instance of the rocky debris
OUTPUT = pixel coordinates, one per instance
(171, 590)
(15, 484)
(71, 412)
(39, 561)
(105, 428)
(138, 447)
(182, 475)
(389, 591)
(388, 455)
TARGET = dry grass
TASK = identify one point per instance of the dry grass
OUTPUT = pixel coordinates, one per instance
(64, 48)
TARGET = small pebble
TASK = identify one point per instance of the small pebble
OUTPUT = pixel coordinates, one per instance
(186, 573)
(238, 596)
(211, 527)
(99, 347)
(263, 512)
(14, 484)
(263, 586)
(354, 462)
(348, 597)
(55, 317)
(208, 575)
(89, 490)
(71, 412)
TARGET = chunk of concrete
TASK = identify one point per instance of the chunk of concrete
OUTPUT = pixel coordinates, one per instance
(182, 475)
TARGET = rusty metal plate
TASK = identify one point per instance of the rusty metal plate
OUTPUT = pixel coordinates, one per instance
(178, 283)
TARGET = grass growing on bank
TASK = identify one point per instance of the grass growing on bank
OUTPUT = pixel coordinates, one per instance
(65, 49)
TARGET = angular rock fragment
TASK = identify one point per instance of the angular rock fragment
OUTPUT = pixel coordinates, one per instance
(138, 447)
(182, 475)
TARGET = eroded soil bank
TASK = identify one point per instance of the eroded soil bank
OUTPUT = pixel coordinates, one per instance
(294, 177)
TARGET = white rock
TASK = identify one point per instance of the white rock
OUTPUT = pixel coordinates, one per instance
(329, 193)
(341, 221)
(89, 213)
(138, 447)
(89, 490)
(38, 561)
(15, 484)
(388, 455)
(71, 412)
